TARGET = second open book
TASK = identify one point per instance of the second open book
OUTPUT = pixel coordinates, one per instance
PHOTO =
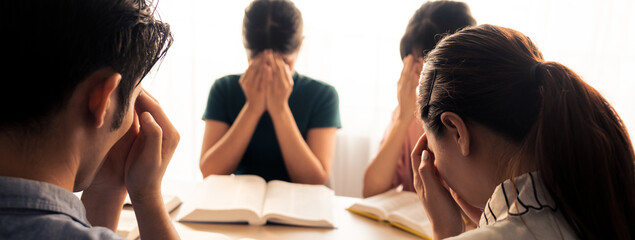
(401, 209)
(249, 198)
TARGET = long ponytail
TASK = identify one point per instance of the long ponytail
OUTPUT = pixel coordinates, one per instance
(496, 77)
(585, 156)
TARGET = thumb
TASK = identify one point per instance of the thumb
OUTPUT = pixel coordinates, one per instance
(151, 133)
(145, 157)
(267, 78)
(428, 170)
(147, 145)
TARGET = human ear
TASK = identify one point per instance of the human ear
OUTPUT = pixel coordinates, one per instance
(104, 84)
(457, 130)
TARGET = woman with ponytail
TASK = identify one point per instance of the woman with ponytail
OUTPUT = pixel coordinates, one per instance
(523, 146)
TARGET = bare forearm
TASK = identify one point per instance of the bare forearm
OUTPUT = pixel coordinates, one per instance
(302, 164)
(224, 156)
(103, 205)
(380, 171)
(154, 221)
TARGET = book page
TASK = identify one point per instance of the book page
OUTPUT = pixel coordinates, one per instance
(414, 217)
(170, 201)
(382, 204)
(226, 198)
(299, 204)
(127, 226)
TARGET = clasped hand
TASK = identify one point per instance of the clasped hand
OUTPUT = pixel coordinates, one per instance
(267, 83)
(139, 159)
(443, 211)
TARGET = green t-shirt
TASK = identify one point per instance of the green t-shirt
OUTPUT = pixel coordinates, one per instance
(313, 103)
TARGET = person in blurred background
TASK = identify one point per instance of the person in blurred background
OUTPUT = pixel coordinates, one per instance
(271, 121)
(391, 166)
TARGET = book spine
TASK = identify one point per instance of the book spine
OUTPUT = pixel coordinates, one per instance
(258, 222)
(365, 214)
(410, 230)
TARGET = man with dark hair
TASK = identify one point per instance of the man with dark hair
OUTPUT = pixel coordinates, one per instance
(74, 117)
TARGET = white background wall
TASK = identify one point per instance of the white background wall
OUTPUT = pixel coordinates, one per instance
(354, 45)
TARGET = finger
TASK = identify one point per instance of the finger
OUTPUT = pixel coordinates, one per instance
(418, 66)
(431, 179)
(253, 75)
(263, 76)
(248, 73)
(415, 161)
(151, 136)
(427, 170)
(269, 57)
(415, 156)
(144, 92)
(151, 130)
(146, 104)
(289, 74)
(132, 133)
(266, 70)
(274, 65)
(283, 71)
(121, 149)
(407, 67)
(273, 82)
(146, 150)
(278, 71)
(266, 79)
(134, 127)
(257, 74)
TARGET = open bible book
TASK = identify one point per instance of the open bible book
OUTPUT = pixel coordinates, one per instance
(401, 209)
(249, 198)
(128, 227)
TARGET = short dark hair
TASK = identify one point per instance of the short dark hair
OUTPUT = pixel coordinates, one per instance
(432, 20)
(52, 46)
(272, 24)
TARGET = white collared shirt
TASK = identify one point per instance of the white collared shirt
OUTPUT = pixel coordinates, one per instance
(521, 209)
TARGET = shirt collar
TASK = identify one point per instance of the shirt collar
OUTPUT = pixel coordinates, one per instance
(514, 198)
(19, 193)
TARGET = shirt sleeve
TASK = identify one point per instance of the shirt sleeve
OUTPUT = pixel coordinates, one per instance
(98, 233)
(327, 112)
(216, 108)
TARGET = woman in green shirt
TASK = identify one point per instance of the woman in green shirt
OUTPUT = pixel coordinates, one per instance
(271, 121)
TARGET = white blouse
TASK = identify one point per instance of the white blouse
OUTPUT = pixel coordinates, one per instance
(521, 209)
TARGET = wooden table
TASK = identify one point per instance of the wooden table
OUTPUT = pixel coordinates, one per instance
(349, 226)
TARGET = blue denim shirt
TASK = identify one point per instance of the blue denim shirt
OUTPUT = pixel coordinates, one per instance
(37, 210)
